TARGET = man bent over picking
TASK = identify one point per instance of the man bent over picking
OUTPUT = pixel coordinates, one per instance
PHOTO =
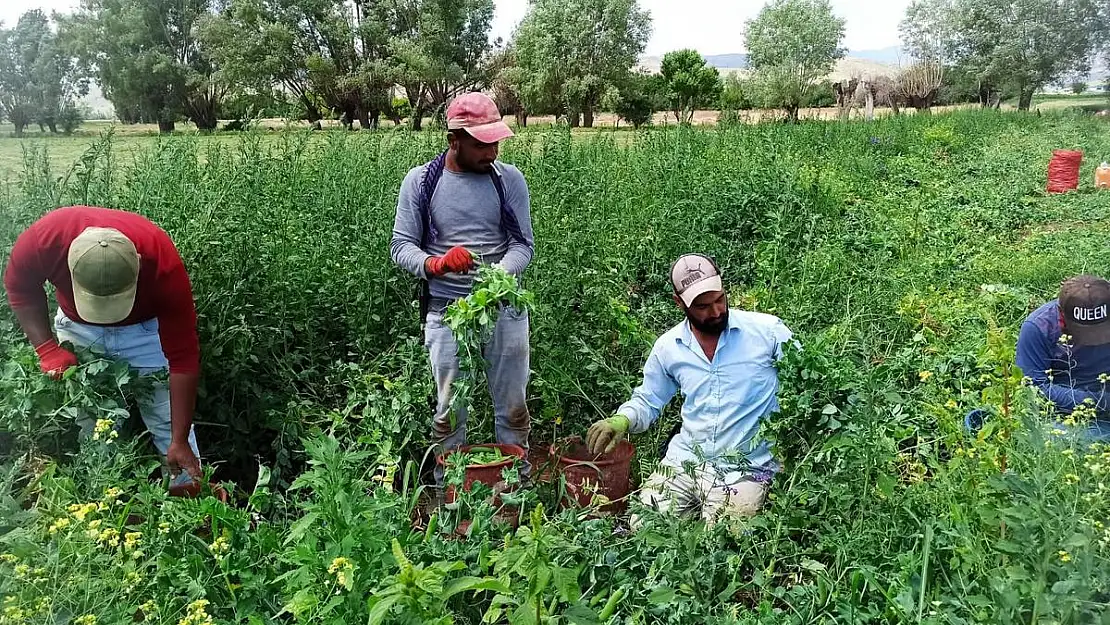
(122, 290)
(723, 361)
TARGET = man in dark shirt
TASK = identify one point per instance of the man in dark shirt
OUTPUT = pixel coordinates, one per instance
(1064, 348)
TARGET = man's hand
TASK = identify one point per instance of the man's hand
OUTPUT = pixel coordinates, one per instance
(180, 457)
(604, 435)
(457, 260)
(54, 360)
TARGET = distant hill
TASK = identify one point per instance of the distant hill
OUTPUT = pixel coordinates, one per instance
(728, 61)
(893, 55)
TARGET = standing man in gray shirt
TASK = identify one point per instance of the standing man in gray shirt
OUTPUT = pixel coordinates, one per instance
(462, 206)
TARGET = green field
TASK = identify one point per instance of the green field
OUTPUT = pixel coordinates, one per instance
(903, 253)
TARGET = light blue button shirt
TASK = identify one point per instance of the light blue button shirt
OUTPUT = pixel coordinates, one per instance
(725, 399)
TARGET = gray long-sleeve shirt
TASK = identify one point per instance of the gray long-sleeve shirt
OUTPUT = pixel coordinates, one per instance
(466, 211)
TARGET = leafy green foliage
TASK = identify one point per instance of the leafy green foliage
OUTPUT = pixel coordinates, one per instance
(38, 80)
(689, 83)
(905, 254)
(147, 59)
(472, 320)
(792, 44)
(1021, 46)
(571, 52)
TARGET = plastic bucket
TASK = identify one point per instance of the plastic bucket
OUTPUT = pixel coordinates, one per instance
(488, 474)
(588, 476)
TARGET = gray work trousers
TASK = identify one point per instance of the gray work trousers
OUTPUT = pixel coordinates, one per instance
(507, 356)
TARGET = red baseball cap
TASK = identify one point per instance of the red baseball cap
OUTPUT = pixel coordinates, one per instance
(477, 114)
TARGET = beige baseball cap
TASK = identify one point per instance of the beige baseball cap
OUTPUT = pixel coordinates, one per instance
(104, 267)
(694, 274)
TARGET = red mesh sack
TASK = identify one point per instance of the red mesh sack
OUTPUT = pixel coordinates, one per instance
(1063, 171)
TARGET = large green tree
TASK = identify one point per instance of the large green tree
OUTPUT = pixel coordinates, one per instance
(146, 57)
(38, 81)
(792, 45)
(1022, 45)
(689, 83)
(326, 54)
(442, 49)
(572, 52)
(347, 56)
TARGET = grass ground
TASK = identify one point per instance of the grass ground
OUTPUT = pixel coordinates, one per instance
(904, 254)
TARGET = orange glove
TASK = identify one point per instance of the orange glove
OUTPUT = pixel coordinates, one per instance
(54, 360)
(457, 260)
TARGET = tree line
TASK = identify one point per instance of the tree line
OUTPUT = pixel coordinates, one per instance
(165, 61)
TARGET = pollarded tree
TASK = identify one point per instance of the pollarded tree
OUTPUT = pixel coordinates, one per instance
(573, 52)
(1021, 44)
(689, 83)
(793, 44)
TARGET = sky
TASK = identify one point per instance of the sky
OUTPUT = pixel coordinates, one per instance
(708, 26)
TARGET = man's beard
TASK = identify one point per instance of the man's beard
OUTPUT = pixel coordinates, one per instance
(713, 327)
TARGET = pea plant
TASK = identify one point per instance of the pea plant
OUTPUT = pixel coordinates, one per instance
(472, 320)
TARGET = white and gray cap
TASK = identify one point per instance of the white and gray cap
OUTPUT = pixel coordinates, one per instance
(693, 275)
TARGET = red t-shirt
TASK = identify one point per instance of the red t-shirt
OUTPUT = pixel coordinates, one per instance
(164, 293)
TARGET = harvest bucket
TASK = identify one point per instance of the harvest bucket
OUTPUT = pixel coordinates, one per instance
(488, 474)
(588, 475)
(1063, 171)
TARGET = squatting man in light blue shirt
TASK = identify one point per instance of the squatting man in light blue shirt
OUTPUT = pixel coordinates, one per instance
(724, 362)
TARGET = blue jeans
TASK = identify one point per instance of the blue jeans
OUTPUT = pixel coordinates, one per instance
(139, 346)
(507, 357)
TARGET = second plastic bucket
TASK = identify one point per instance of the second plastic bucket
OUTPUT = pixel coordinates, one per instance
(488, 474)
(588, 476)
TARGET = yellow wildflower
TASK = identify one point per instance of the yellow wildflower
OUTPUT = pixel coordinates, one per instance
(148, 609)
(1064, 556)
(197, 614)
(1068, 453)
(131, 580)
(88, 619)
(924, 375)
(58, 525)
(8, 557)
(109, 537)
(22, 571)
(1071, 478)
(105, 430)
(81, 511)
(163, 528)
(951, 404)
(94, 524)
(221, 546)
(132, 540)
(112, 493)
(343, 570)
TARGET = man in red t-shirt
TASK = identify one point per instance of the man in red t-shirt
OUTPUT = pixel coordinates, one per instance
(122, 290)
